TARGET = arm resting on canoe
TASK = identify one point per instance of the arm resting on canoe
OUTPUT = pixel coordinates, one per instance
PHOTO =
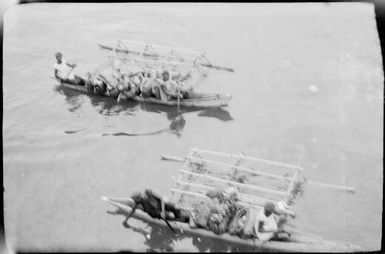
(132, 212)
(161, 201)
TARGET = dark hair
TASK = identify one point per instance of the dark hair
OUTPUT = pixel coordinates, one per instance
(136, 196)
(269, 206)
(58, 54)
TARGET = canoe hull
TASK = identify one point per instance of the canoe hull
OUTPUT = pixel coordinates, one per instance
(124, 206)
(197, 100)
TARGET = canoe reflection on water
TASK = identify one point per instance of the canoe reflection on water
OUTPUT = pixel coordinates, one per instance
(109, 107)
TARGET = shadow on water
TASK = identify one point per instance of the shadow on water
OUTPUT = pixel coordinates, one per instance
(218, 113)
(161, 239)
(73, 98)
(109, 107)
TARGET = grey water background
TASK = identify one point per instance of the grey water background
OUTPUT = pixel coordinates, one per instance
(307, 89)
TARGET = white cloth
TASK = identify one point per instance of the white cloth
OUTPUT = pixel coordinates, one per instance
(170, 85)
(171, 88)
(63, 70)
(268, 224)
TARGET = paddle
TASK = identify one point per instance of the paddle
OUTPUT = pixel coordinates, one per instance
(178, 102)
(217, 67)
(55, 79)
(326, 185)
(73, 67)
(168, 224)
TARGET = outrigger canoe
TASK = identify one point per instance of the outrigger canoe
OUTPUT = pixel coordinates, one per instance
(202, 171)
(194, 99)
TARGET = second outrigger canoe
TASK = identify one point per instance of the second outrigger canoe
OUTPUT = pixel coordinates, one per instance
(202, 171)
(301, 242)
(194, 99)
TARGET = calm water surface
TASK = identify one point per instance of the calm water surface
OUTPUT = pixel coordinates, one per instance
(307, 89)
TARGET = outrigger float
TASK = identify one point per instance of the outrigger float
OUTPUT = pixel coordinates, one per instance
(257, 180)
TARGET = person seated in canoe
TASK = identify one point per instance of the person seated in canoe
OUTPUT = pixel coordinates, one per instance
(96, 83)
(136, 79)
(155, 206)
(239, 222)
(111, 86)
(63, 71)
(216, 213)
(281, 208)
(178, 76)
(129, 85)
(268, 225)
(181, 81)
(167, 89)
(149, 84)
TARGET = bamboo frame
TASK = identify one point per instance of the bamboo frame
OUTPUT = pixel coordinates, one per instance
(253, 200)
(244, 169)
(207, 198)
(265, 190)
(162, 46)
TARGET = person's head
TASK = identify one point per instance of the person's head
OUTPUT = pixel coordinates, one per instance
(136, 196)
(269, 208)
(165, 75)
(148, 192)
(231, 193)
(215, 218)
(59, 56)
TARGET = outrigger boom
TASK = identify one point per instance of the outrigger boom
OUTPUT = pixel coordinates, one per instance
(158, 57)
(198, 160)
(162, 46)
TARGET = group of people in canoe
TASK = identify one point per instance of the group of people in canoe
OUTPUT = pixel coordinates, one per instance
(220, 213)
(164, 85)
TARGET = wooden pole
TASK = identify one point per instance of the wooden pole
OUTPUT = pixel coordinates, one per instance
(165, 47)
(274, 163)
(246, 198)
(326, 185)
(172, 158)
(243, 169)
(334, 186)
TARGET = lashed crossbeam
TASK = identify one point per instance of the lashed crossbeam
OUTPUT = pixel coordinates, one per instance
(204, 197)
(279, 195)
(196, 160)
(202, 189)
(273, 163)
